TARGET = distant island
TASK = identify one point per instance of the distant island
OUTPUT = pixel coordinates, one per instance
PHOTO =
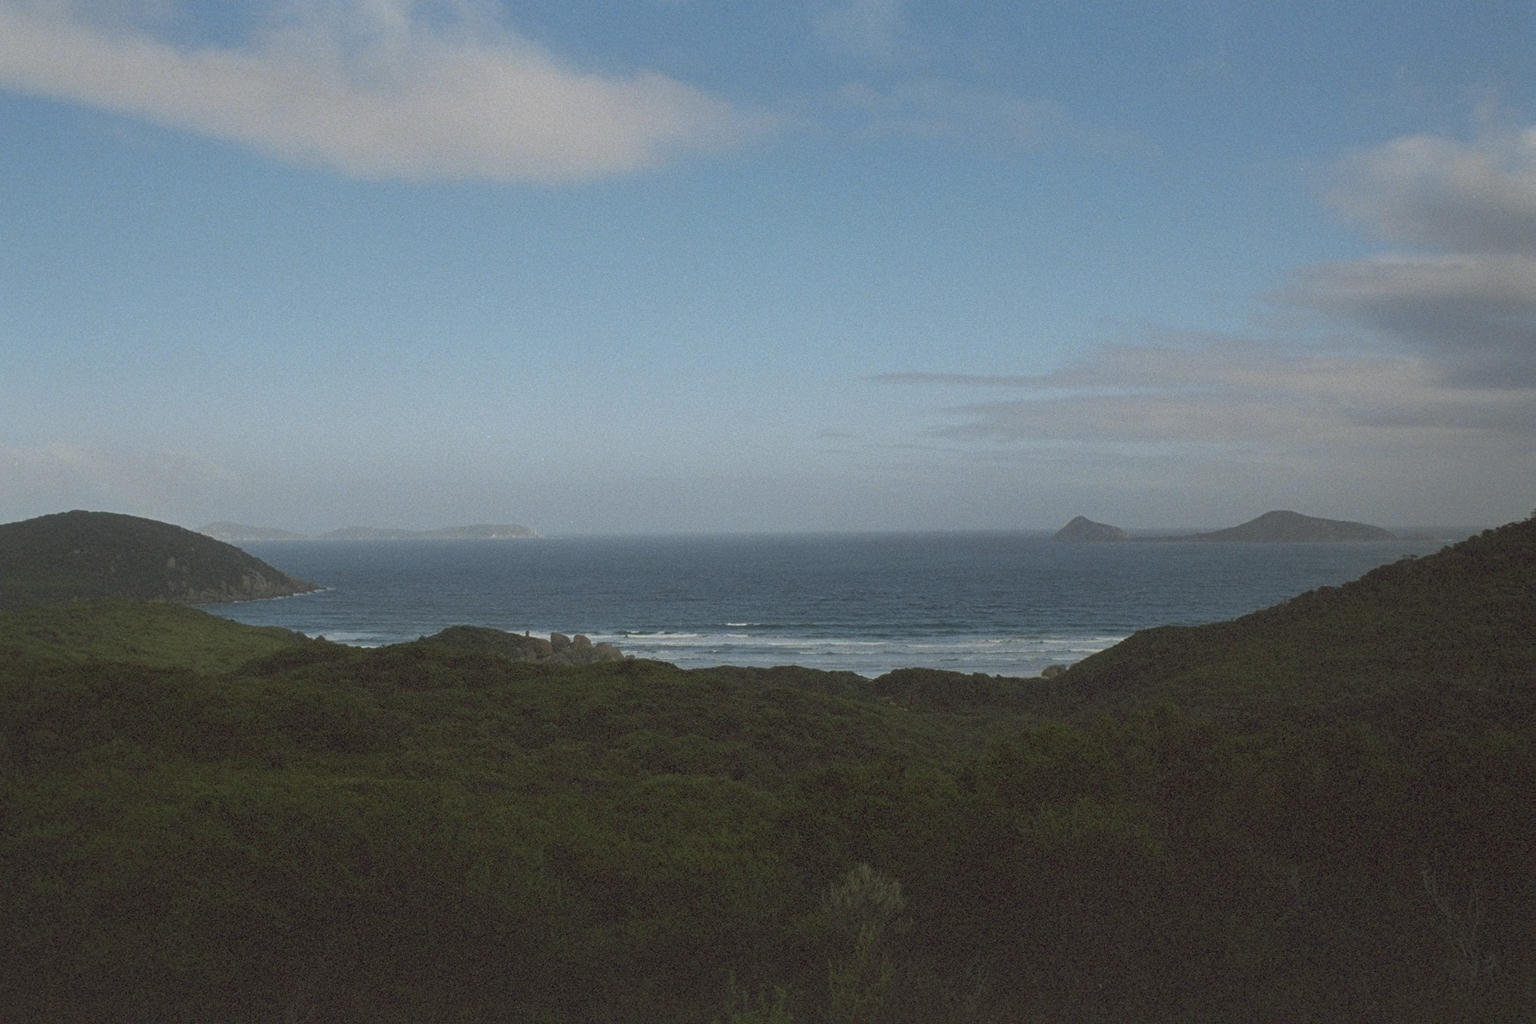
(85, 556)
(239, 533)
(1285, 526)
(1082, 530)
(1277, 527)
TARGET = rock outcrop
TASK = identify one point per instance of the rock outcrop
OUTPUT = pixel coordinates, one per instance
(1084, 530)
(559, 649)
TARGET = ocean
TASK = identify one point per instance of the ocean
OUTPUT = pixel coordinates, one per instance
(996, 603)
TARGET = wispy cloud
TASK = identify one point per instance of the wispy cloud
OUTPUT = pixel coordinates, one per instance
(1477, 196)
(1218, 428)
(1433, 392)
(373, 88)
(1450, 345)
(1466, 299)
(908, 93)
(1225, 394)
(934, 107)
(874, 30)
(1473, 314)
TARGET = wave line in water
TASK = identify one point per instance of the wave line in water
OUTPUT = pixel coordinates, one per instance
(999, 604)
(992, 655)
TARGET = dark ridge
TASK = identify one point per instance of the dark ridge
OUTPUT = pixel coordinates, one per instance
(75, 556)
(1464, 615)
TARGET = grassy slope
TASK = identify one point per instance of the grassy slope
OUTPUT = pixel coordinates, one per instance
(155, 635)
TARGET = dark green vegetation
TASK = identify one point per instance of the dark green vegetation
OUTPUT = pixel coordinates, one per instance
(1319, 812)
(101, 555)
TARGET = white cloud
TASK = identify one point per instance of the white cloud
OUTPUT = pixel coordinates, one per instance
(374, 88)
(1477, 196)
(1469, 303)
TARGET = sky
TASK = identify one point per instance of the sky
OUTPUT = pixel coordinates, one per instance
(690, 265)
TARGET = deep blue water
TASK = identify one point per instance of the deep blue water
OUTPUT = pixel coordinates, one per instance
(1003, 603)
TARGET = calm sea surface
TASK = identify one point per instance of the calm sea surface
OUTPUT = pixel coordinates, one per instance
(1004, 603)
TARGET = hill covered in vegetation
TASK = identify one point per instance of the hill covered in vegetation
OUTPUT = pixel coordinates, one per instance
(1415, 626)
(78, 555)
(1319, 812)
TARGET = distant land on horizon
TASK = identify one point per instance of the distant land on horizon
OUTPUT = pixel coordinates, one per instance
(239, 533)
(1082, 530)
(1277, 526)
(1293, 526)
(1280, 526)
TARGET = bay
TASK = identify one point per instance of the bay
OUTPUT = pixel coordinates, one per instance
(997, 603)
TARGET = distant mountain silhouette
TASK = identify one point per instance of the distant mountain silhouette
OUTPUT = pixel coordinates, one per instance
(1294, 527)
(239, 533)
(1084, 530)
(79, 555)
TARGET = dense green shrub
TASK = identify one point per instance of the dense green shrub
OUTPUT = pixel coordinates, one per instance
(284, 830)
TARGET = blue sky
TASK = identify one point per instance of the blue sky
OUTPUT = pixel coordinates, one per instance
(677, 265)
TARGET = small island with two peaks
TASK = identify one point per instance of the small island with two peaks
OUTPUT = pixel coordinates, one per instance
(1278, 527)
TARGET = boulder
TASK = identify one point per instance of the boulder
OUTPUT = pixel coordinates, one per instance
(606, 652)
(559, 649)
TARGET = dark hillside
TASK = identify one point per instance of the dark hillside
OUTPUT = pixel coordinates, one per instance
(1319, 812)
(1465, 616)
(73, 556)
